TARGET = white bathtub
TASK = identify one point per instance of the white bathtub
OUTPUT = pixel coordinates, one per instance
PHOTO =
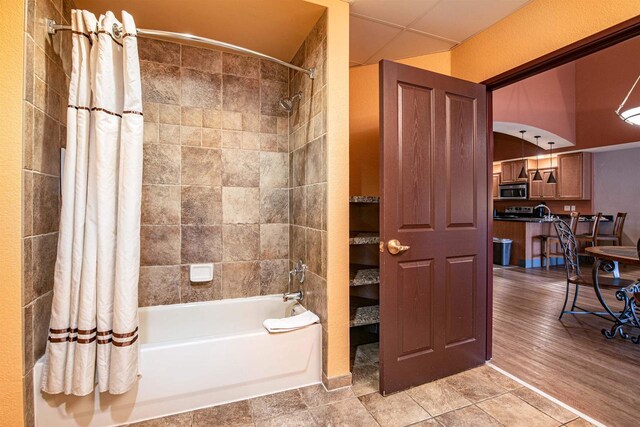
(193, 356)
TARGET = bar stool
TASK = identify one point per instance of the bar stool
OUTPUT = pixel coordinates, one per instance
(618, 226)
(590, 238)
(547, 240)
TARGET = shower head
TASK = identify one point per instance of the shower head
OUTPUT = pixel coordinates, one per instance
(287, 103)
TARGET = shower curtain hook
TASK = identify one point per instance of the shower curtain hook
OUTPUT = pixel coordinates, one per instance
(117, 31)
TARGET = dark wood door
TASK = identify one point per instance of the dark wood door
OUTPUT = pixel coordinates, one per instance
(435, 183)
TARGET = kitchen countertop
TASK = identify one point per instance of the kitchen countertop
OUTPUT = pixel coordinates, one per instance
(543, 220)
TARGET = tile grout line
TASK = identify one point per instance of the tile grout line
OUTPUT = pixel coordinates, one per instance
(547, 396)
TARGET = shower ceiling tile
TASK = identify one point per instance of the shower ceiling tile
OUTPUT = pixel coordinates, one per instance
(396, 12)
(460, 19)
(410, 44)
(366, 37)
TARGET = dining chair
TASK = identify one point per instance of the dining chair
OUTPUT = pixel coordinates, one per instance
(592, 237)
(618, 226)
(549, 241)
(575, 277)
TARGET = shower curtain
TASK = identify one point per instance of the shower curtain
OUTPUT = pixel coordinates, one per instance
(93, 335)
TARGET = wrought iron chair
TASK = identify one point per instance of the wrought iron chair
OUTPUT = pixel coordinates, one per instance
(575, 277)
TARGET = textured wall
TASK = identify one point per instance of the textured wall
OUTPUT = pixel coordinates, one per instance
(364, 136)
(307, 157)
(47, 70)
(538, 28)
(216, 174)
(618, 170)
(11, 87)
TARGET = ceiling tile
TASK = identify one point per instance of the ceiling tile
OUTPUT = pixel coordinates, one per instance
(366, 37)
(410, 44)
(394, 11)
(460, 19)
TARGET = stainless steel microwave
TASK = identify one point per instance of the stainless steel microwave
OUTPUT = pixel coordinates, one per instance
(519, 191)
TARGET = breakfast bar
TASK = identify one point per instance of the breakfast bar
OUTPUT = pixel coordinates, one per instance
(526, 247)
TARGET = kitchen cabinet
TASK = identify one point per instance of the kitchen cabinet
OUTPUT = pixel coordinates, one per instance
(495, 188)
(574, 176)
(511, 170)
(542, 190)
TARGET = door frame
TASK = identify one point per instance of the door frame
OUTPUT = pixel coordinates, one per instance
(601, 40)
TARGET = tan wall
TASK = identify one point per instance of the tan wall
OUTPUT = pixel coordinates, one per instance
(363, 120)
(538, 28)
(11, 87)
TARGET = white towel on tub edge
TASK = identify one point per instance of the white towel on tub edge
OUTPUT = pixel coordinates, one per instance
(291, 323)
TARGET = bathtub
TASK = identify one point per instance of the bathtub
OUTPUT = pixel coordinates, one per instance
(193, 356)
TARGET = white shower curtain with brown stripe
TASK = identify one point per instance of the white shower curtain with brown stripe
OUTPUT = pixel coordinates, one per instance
(94, 321)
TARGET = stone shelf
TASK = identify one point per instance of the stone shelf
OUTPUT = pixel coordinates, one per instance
(363, 311)
(360, 275)
(363, 238)
(364, 199)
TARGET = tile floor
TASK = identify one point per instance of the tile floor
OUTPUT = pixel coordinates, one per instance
(479, 397)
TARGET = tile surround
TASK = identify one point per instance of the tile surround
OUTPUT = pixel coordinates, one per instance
(307, 170)
(216, 173)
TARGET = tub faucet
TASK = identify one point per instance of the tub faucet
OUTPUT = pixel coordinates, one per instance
(549, 217)
(298, 272)
(293, 296)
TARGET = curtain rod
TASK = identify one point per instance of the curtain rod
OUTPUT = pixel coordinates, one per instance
(52, 27)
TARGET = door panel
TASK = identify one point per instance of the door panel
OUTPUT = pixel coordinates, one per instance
(416, 147)
(460, 292)
(415, 291)
(435, 176)
(460, 146)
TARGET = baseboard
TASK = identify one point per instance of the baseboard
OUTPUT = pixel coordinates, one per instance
(334, 383)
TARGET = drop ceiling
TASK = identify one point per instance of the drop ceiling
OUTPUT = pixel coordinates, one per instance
(396, 29)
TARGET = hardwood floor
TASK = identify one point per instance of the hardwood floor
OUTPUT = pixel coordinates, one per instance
(569, 359)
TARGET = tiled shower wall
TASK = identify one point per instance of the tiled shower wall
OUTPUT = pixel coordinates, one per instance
(307, 157)
(47, 70)
(216, 174)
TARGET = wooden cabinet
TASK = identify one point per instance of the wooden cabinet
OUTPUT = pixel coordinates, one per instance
(495, 187)
(574, 176)
(511, 170)
(542, 190)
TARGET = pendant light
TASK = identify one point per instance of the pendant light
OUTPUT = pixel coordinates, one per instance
(537, 176)
(523, 172)
(630, 115)
(552, 178)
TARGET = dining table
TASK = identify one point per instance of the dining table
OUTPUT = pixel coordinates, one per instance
(606, 260)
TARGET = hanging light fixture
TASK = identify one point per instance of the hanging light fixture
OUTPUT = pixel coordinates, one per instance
(537, 176)
(523, 172)
(552, 178)
(630, 115)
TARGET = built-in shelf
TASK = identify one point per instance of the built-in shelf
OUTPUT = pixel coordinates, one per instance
(363, 238)
(360, 275)
(364, 199)
(363, 311)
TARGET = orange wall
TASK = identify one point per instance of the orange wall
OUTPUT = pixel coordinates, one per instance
(538, 28)
(11, 81)
(337, 363)
(363, 120)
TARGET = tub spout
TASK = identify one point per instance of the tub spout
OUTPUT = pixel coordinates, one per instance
(293, 296)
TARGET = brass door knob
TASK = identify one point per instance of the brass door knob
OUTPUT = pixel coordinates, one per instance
(394, 247)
